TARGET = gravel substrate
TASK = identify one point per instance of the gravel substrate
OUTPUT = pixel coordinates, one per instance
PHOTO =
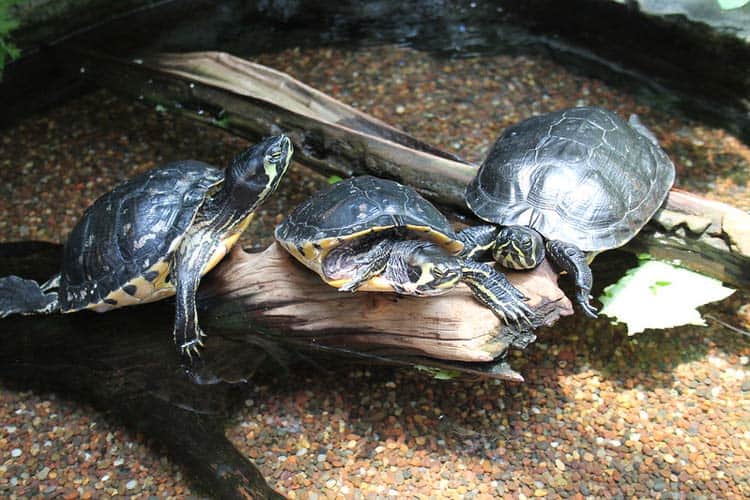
(663, 414)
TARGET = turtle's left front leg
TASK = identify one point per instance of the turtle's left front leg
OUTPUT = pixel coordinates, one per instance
(373, 261)
(188, 263)
(570, 258)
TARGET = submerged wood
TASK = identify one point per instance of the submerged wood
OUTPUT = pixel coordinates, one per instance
(252, 100)
(260, 311)
(124, 364)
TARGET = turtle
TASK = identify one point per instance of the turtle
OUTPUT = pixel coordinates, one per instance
(154, 236)
(569, 184)
(372, 234)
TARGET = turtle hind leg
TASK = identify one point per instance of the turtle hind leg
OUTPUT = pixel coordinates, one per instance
(495, 291)
(570, 258)
(22, 296)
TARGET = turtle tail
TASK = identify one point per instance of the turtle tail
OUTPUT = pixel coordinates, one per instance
(21, 296)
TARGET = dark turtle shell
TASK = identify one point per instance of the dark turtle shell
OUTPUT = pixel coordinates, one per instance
(357, 207)
(124, 240)
(583, 176)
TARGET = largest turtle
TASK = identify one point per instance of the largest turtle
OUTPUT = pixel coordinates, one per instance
(154, 236)
(583, 179)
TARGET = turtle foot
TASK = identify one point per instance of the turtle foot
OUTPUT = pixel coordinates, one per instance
(583, 299)
(22, 296)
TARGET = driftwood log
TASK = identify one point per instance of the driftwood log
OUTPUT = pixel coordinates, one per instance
(260, 310)
(271, 293)
(252, 100)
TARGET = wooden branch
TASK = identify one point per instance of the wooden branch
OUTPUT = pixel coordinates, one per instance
(328, 135)
(707, 236)
(250, 99)
(271, 293)
(124, 363)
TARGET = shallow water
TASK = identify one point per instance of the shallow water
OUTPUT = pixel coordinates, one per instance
(600, 413)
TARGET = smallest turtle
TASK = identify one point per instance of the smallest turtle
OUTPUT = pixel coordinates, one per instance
(569, 184)
(371, 234)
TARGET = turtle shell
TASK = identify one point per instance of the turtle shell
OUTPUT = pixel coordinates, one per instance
(118, 253)
(582, 175)
(357, 207)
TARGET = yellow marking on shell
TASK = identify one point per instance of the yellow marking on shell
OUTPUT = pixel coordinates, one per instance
(145, 291)
(312, 256)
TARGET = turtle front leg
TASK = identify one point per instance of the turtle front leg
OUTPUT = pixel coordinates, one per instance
(374, 263)
(477, 240)
(188, 263)
(493, 289)
(570, 258)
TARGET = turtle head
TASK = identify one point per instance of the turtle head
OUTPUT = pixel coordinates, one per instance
(254, 174)
(430, 271)
(518, 247)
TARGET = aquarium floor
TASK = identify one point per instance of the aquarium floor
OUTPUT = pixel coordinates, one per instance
(661, 414)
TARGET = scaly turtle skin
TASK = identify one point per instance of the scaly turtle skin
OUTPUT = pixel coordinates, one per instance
(154, 236)
(372, 234)
(583, 179)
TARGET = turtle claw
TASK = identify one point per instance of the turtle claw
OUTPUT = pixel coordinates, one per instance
(583, 300)
(515, 312)
(191, 348)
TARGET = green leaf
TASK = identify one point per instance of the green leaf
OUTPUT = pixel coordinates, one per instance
(732, 4)
(659, 295)
(7, 24)
(334, 179)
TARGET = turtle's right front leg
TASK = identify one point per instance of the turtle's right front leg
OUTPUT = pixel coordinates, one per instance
(495, 291)
(188, 263)
(573, 260)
